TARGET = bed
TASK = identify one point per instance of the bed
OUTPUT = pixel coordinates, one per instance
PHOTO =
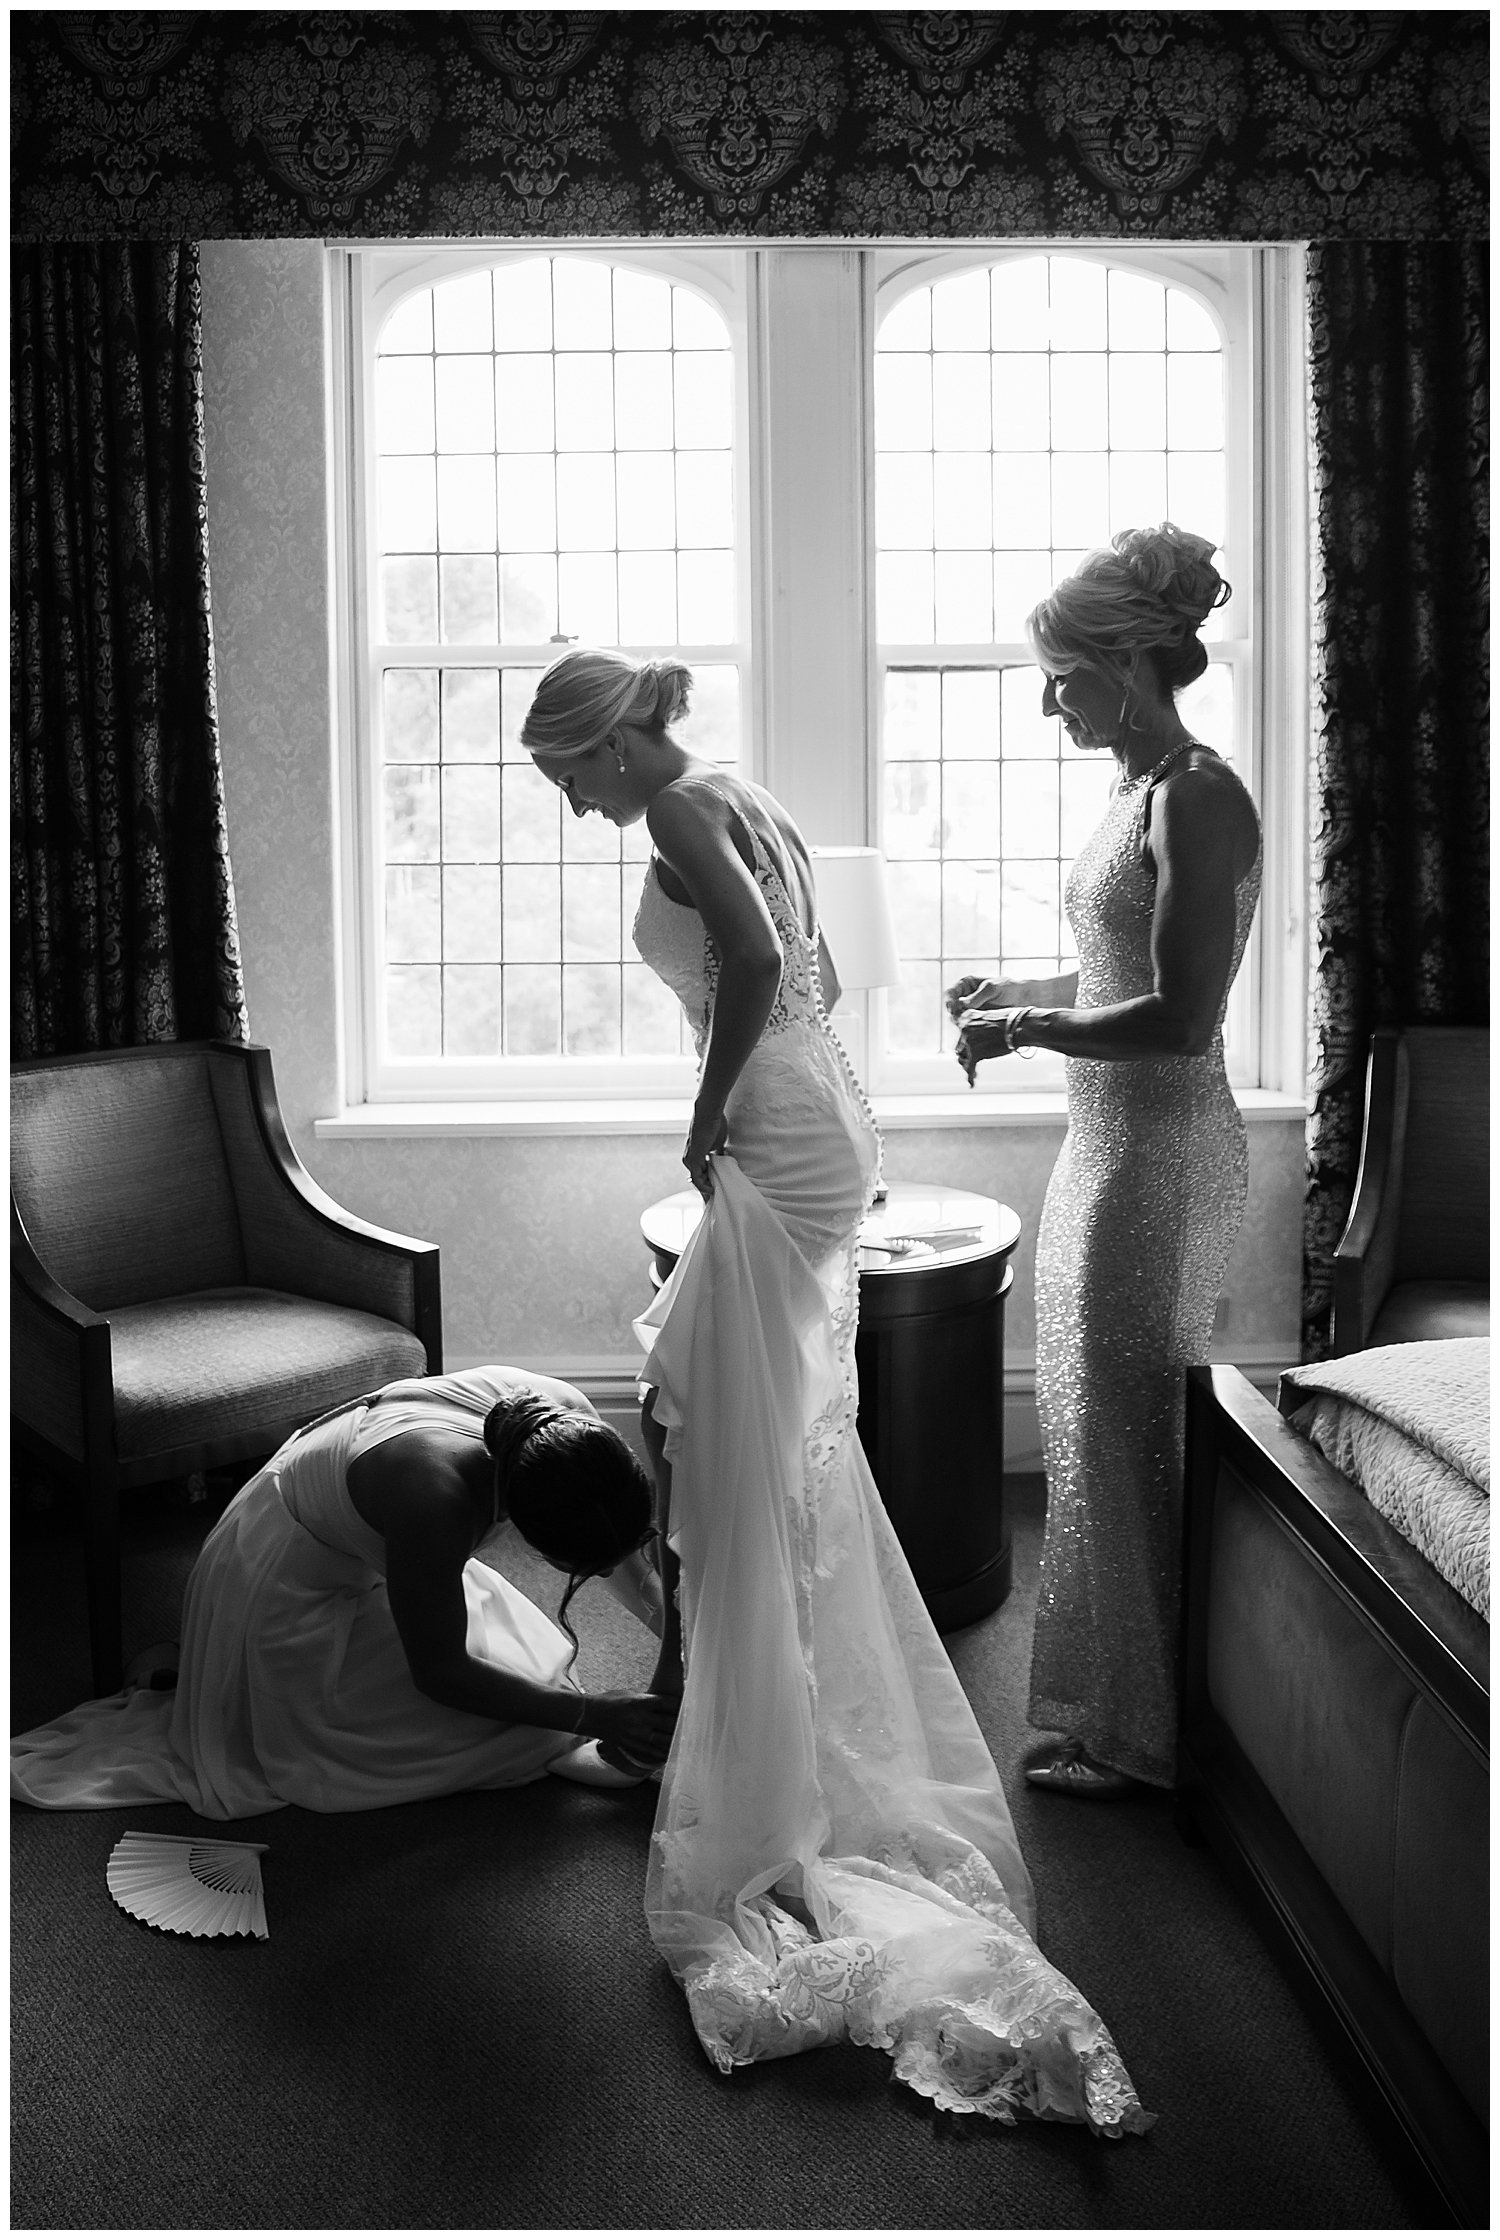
(1335, 1734)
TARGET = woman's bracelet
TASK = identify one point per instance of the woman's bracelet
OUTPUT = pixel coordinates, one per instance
(1012, 1028)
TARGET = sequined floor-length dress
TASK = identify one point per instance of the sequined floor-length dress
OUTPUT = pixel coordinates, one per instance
(1140, 1215)
(833, 1855)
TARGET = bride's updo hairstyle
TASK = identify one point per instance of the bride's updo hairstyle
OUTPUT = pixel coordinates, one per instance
(587, 691)
(571, 1486)
(1145, 594)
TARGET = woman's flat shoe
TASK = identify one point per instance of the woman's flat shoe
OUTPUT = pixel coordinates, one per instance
(1067, 1768)
(585, 1764)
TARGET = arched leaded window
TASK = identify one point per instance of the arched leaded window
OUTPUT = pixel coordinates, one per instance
(834, 481)
(1025, 409)
(554, 446)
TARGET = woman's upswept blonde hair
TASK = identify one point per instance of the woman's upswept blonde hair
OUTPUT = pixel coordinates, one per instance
(587, 691)
(1146, 592)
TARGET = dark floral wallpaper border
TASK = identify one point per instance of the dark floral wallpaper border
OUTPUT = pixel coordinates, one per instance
(1183, 124)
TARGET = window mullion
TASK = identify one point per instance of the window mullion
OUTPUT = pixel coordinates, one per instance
(358, 899)
(812, 428)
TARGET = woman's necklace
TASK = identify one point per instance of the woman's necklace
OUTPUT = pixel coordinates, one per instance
(1149, 777)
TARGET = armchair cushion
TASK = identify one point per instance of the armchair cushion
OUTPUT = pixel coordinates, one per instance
(219, 1365)
(118, 1172)
(1412, 1311)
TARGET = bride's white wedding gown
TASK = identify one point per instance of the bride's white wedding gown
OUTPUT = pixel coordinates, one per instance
(833, 1853)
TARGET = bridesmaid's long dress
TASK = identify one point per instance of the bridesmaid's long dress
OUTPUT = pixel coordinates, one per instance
(294, 1687)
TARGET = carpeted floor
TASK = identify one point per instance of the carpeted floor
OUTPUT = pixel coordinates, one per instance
(458, 2020)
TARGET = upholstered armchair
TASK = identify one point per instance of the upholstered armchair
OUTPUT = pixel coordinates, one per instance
(183, 1294)
(1414, 1261)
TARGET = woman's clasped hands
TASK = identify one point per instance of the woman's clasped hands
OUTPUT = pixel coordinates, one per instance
(986, 1013)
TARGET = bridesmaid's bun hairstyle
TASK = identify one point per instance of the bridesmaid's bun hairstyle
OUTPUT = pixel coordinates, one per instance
(571, 1486)
(1145, 594)
(588, 691)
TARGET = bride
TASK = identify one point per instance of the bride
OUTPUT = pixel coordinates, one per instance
(833, 1853)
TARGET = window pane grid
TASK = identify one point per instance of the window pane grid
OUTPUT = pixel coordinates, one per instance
(985, 806)
(535, 442)
(553, 461)
(1024, 413)
(507, 920)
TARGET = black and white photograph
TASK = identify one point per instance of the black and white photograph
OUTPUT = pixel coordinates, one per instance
(749, 1120)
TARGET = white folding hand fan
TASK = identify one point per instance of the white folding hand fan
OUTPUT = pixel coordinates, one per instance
(194, 1885)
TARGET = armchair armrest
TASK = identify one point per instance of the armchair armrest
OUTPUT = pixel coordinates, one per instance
(295, 1236)
(1364, 1262)
(62, 1386)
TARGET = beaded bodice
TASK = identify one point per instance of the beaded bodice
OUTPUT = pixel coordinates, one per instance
(674, 942)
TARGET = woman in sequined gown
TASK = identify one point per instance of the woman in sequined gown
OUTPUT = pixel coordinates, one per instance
(1145, 1202)
(833, 1855)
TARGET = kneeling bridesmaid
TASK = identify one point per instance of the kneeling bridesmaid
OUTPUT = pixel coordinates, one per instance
(345, 1645)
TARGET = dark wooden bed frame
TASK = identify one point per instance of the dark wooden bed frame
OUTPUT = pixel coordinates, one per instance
(1272, 1532)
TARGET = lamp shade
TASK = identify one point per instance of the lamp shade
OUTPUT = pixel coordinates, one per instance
(855, 914)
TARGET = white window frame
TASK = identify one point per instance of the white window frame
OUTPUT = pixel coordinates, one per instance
(803, 318)
(368, 286)
(1220, 279)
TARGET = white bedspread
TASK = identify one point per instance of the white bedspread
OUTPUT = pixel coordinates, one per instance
(1411, 1425)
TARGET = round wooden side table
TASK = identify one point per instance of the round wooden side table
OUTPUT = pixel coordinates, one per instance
(930, 1350)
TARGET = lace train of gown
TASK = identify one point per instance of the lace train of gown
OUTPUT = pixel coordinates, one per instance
(833, 1854)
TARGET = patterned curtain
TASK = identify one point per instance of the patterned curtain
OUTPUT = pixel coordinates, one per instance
(1399, 905)
(123, 926)
(585, 123)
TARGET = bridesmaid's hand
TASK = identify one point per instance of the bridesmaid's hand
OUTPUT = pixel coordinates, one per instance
(981, 1035)
(642, 1726)
(970, 994)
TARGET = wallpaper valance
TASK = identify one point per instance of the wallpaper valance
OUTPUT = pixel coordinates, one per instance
(1184, 125)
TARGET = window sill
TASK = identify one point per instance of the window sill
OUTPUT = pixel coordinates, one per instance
(667, 1116)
